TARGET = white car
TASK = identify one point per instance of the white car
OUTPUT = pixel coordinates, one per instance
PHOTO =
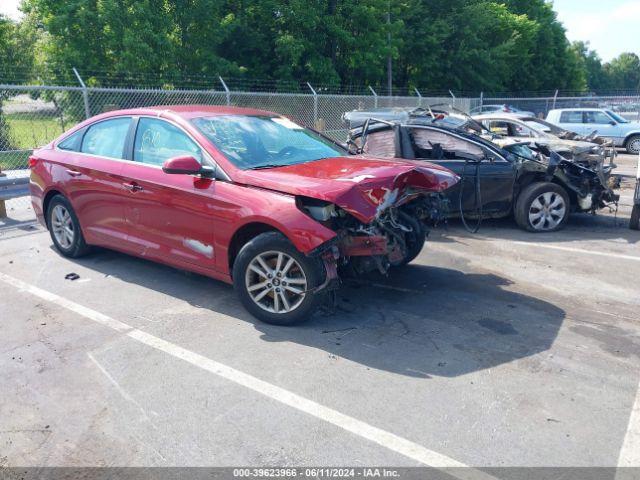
(605, 122)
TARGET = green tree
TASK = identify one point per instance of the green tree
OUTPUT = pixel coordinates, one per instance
(596, 78)
(623, 72)
(16, 65)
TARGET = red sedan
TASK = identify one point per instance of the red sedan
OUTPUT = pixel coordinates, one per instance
(244, 196)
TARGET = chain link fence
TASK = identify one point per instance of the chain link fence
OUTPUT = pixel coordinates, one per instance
(32, 116)
(628, 106)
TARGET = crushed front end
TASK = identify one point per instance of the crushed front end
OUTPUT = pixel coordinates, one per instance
(387, 230)
(588, 181)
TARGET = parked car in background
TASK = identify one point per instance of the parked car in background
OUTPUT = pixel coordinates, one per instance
(244, 196)
(509, 128)
(499, 108)
(605, 122)
(539, 190)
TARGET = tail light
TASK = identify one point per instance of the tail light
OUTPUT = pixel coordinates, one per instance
(32, 161)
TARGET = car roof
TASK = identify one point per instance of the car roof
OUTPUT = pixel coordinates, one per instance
(501, 116)
(190, 111)
(581, 109)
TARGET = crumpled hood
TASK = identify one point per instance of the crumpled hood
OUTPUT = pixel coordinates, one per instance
(558, 145)
(362, 186)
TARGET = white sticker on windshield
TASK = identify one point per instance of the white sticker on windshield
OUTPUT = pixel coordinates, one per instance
(285, 122)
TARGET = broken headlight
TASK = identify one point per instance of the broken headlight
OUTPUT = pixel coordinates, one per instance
(317, 209)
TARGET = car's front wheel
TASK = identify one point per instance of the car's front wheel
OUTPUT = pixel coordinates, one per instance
(632, 145)
(275, 281)
(64, 228)
(542, 207)
(414, 239)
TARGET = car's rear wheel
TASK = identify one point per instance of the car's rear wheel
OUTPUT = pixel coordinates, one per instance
(275, 281)
(542, 207)
(632, 145)
(64, 228)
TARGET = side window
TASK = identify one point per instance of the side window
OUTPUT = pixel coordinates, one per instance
(571, 117)
(157, 141)
(499, 127)
(381, 143)
(599, 118)
(107, 138)
(72, 142)
(517, 130)
(437, 145)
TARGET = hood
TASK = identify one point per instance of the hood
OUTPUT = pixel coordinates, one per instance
(362, 186)
(555, 144)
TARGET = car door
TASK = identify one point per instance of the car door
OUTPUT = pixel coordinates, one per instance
(497, 175)
(166, 217)
(572, 120)
(91, 163)
(600, 121)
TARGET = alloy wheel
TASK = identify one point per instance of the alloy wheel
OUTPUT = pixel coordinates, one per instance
(547, 211)
(276, 282)
(634, 145)
(62, 226)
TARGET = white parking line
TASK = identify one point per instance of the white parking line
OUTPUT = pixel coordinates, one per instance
(630, 451)
(559, 247)
(578, 250)
(381, 437)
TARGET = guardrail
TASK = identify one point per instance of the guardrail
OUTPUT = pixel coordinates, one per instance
(11, 188)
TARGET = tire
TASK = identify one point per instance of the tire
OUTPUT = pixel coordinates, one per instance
(554, 211)
(303, 275)
(634, 223)
(632, 145)
(415, 239)
(64, 228)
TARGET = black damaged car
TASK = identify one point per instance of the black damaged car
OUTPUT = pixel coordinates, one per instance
(538, 187)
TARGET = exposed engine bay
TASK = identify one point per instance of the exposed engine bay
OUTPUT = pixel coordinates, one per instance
(393, 238)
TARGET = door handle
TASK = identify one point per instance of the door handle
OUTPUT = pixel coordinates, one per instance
(133, 187)
(73, 173)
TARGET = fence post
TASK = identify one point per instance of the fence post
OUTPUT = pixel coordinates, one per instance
(419, 97)
(481, 101)
(375, 97)
(453, 96)
(85, 94)
(227, 91)
(555, 97)
(315, 105)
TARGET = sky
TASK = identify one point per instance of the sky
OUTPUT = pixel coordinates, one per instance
(610, 26)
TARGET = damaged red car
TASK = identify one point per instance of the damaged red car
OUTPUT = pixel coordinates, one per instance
(244, 196)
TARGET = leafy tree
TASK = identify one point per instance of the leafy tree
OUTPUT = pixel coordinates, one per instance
(596, 78)
(624, 72)
(16, 65)
(494, 45)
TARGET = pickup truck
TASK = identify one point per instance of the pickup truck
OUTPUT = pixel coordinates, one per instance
(605, 122)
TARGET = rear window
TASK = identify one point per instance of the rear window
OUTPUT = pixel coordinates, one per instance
(571, 117)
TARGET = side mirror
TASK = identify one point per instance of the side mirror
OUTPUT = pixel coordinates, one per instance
(613, 122)
(186, 165)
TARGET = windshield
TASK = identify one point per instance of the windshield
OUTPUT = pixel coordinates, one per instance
(617, 117)
(537, 126)
(264, 142)
(521, 150)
